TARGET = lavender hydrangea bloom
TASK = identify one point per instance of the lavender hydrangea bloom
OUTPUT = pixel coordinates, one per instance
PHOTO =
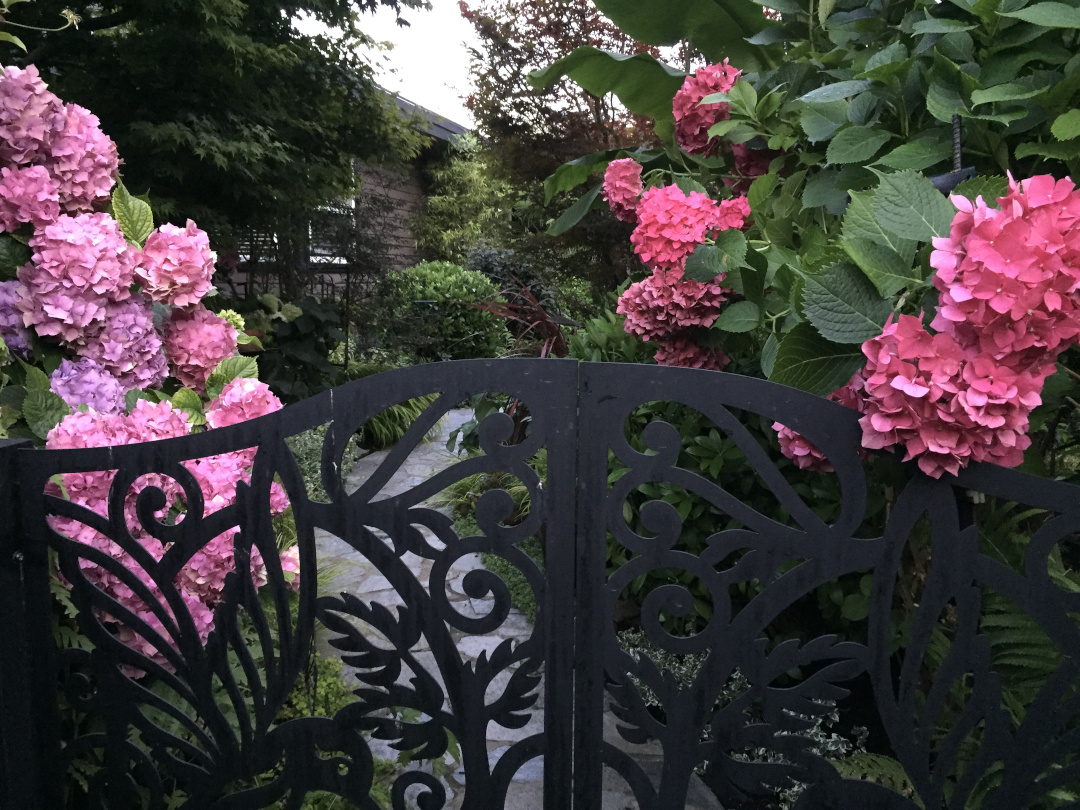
(127, 345)
(86, 382)
(16, 336)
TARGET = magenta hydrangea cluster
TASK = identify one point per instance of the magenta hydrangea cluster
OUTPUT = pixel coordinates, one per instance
(15, 335)
(196, 340)
(176, 265)
(87, 382)
(801, 450)
(76, 162)
(692, 118)
(622, 187)
(201, 581)
(682, 351)
(672, 224)
(656, 307)
(127, 344)
(79, 265)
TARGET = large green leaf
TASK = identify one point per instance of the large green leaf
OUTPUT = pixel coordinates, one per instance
(843, 305)
(856, 144)
(742, 316)
(718, 28)
(1050, 15)
(918, 155)
(820, 121)
(228, 370)
(860, 223)
(837, 90)
(133, 215)
(575, 172)
(808, 361)
(907, 204)
(13, 255)
(43, 410)
(573, 215)
(709, 261)
(645, 85)
(889, 271)
(1066, 126)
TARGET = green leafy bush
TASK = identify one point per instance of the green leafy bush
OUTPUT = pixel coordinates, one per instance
(427, 306)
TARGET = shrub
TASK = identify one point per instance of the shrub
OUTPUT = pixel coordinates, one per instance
(428, 306)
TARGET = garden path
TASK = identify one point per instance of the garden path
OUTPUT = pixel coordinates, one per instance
(342, 569)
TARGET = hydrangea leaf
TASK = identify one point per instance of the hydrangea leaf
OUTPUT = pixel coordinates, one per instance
(133, 396)
(643, 84)
(43, 411)
(907, 204)
(190, 403)
(761, 190)
(13, 255)
(989, 187)
(228, 370)
(856, 144)
(35, 379)
(1066, 126)
(918, 154)
(843, 305)
(806, 360)
(941, 25)
(742, 316)
(860, 223)
(821, 121)
(888, 271)
(708, 261)
(133, 215)
(1049, 15)
(768, 355)
(836, 91)
(574, 214)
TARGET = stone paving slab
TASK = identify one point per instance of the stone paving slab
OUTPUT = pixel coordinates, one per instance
(344, 569)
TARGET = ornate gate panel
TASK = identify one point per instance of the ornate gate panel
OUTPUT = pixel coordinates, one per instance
(205, 727)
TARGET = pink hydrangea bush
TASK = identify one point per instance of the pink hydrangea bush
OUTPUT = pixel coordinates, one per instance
(28, 194)
(83, 159)
(176, 265)
(79, 265)
(692, 118)
(196, 340)
(623, 187)
(671, 224)
(29, 116)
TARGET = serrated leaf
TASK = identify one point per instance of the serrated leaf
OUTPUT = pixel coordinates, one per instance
(1049, 15)
(860, 223)
(186, 399)
(837, 90)
(43, 410)
(989, 187)
(856, 144)
(821, 121)
(244, 339)
(1066, 126)
(1057, 151)
(13, 255)
(1011, 91)
(574, 214)
(843, 305)
(133, 396)
(941, 25)
(228, 370)
(917, 155)
(907, 204)
(768, 355)
(760, 191)
(36, 379)
(888, 271)
(686, 184)
(742, 316)
(806, 360)
(133, 215)
(709, 261)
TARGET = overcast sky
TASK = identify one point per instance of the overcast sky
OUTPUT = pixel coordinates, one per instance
(429, 61)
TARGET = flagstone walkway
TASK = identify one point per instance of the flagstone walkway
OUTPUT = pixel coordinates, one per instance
(344, 570)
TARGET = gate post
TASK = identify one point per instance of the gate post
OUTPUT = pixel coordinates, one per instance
(20, 773)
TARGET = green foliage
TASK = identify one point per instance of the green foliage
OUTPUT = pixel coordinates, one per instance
(603, 339)
(431, 300)
(469, 202)
(307, 449)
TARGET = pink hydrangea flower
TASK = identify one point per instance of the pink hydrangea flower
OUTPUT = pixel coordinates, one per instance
(240, 400)
(622, 187)
(196, 340)
(665, 303)
(693, 119)
(27, 194)
(12, 330)
(29, 116)
(682, 351)
(801, 450)
(127, 345)
(671, 225)
(1008, 278)
(88, 383)
(83, 160)
(290, 565)
(176, 265)
(946, 404)
(79, 265)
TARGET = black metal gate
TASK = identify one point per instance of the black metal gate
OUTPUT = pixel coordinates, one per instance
(205, 723)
